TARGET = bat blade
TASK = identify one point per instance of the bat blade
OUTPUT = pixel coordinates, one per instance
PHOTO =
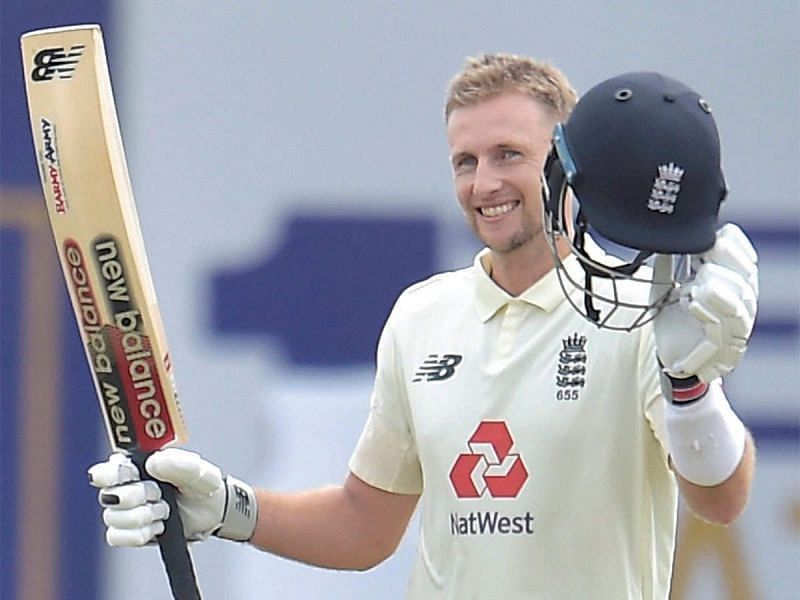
(100, 247)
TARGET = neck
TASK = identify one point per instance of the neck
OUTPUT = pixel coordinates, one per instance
(519, 269)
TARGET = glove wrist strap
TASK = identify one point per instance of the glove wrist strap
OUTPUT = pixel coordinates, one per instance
(684, 390)
(241, 511)
(706, 438)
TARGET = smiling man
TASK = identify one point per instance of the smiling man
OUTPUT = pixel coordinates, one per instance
(499, 146)
(546, 452)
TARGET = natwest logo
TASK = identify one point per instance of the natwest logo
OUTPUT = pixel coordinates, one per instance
(489, 465)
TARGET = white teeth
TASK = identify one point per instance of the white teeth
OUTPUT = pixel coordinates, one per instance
(496, 211)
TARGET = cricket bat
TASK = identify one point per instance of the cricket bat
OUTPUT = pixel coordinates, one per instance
(96, 229)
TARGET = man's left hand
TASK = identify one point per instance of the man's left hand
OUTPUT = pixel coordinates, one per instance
(705, 330)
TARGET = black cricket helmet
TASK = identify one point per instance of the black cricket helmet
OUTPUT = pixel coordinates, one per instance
(640, 154)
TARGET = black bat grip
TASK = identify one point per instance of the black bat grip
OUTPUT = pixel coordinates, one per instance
(172, 543)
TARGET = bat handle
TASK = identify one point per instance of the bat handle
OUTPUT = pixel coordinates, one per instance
(172, 543)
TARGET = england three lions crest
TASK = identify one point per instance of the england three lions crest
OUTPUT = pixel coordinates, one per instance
(571, 374)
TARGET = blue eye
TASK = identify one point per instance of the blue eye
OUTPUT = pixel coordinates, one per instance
(464, 162)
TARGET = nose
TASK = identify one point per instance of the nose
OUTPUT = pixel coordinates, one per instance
(486, 181)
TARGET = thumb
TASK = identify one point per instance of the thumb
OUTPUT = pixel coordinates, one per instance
(187, 471)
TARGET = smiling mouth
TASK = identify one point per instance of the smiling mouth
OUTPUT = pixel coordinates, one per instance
(497, 211)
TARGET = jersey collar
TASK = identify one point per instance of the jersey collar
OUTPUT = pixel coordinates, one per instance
(545, 294)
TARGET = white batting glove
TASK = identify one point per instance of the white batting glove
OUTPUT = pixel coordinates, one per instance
(706, 331)
(209, 502)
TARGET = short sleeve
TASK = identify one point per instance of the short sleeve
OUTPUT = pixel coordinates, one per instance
(386, 454)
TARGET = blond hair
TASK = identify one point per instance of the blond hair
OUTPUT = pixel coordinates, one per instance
(489, 75)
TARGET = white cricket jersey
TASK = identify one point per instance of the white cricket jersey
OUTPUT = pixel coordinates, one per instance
(533, 437)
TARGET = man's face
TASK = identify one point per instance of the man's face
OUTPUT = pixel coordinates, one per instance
(498, 148)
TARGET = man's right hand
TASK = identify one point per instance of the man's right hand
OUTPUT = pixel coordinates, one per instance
(209, 502)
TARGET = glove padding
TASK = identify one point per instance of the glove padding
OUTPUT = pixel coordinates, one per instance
(706, 324)
(135, 512)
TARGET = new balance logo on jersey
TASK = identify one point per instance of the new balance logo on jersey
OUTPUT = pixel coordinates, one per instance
(52, 62)
(436, 368)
